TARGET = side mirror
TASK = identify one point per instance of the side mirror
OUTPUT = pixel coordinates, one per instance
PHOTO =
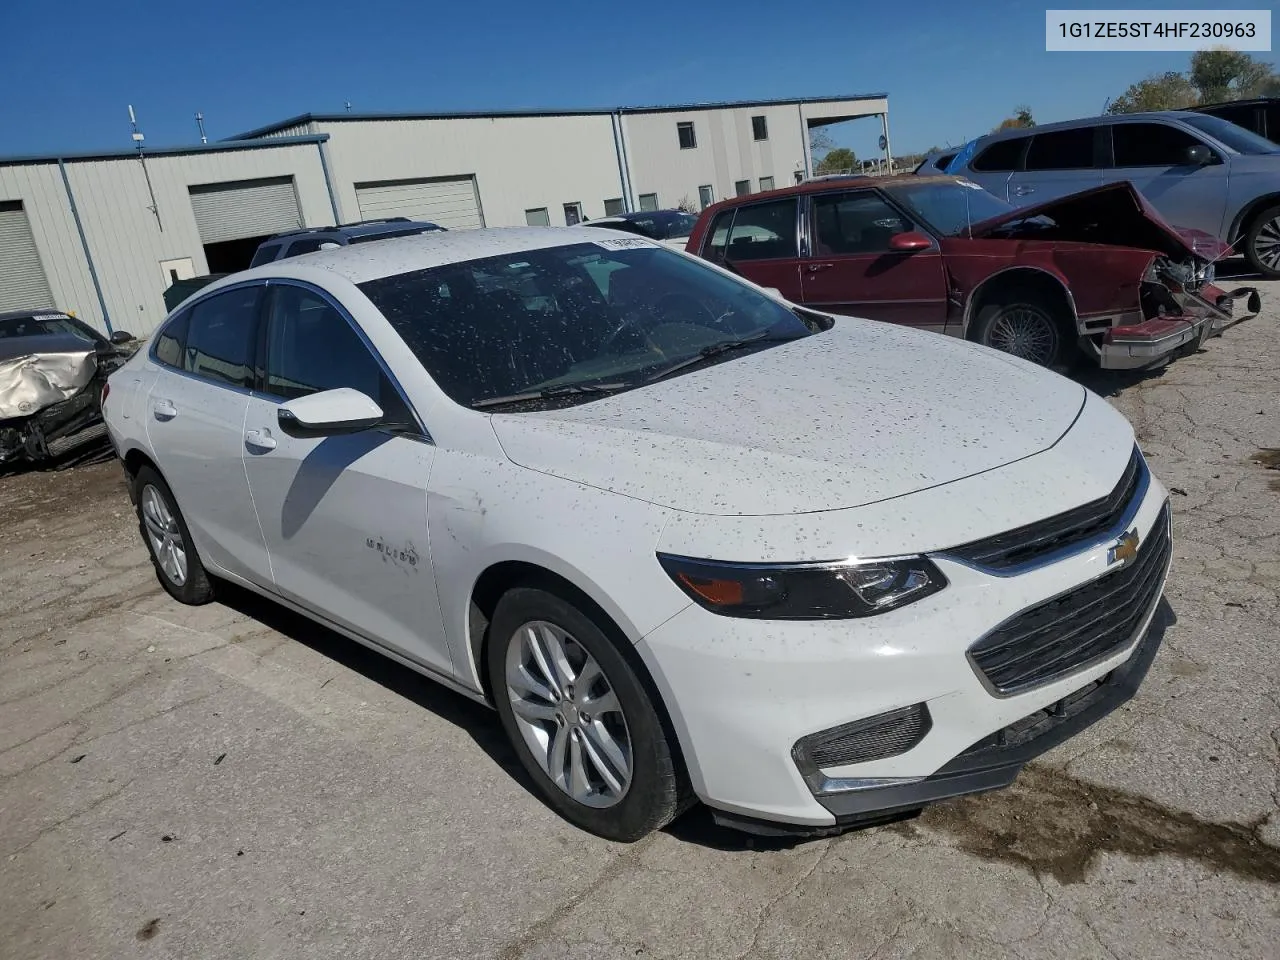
(909, 242)
(328, 413)
(119, 337)
(1199, 155)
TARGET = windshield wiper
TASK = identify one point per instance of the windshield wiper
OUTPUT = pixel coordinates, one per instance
(551, 393)
(716, 350)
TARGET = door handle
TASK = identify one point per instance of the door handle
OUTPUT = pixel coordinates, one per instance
(1022, 191)
(261, 439)
(815, 267)
(163, 409)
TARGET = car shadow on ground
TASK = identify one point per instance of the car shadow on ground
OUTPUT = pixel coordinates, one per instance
(98, 451)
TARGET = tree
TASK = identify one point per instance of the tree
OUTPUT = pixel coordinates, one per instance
(687, 206)
(1021, 118)
(839, 160)
(820, 141)
(1225, 74)
(1160, 91)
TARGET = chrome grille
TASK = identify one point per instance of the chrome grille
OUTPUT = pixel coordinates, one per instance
(1063, 635)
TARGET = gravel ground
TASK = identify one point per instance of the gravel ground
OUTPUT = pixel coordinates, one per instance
(233, 781)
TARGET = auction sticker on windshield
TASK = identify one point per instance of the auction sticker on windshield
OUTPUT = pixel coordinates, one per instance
(622, 243)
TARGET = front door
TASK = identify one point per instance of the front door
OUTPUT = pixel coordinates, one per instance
(344, 517)
(759, 241)
(195, 419)
(852, 270)
(1153, 157)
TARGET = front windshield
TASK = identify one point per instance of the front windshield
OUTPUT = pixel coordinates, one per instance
(1227, 133)
(949, 206)
(564, 320)
(41, 325)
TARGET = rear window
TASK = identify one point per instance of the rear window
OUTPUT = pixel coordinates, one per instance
(1061, 150)
(764, 231)
(266, 253)
(1001, 155)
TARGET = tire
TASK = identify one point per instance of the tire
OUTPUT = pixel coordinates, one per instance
(1262, 243)
(621, 801)
(1021, 324)
(160, 524)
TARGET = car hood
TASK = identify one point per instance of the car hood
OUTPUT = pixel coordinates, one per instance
(861, 413)
(37, 372)
(1112, 214)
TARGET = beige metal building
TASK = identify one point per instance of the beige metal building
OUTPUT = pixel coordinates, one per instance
(104, 234)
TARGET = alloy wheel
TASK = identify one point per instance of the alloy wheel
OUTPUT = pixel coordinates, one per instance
(1266, 245)
(164, 535)
(568, 714)
(1024, 332)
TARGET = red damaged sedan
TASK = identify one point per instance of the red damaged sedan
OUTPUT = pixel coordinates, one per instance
(1098, 272)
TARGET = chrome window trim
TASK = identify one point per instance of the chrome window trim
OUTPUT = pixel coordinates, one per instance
(364, 338)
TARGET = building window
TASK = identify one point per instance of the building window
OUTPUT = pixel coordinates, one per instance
(648, 201)
(537, 217)
(760, 128)
(688, 139)
(706, 195)
(766, 183)
(614, 207)
(572, 214)
(741, 188)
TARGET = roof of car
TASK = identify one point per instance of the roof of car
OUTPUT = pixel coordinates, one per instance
(1251, 102)
(823, 184)
(1085, 121)
(422, 251)
(362, 229)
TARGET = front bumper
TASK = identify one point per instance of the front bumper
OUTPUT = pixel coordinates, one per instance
(1144, 344)
(743, 692)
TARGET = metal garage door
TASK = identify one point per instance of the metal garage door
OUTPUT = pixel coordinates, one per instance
(22, 281)
(451, 202)
(245, 208)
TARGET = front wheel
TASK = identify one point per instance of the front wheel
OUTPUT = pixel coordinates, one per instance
(579, 717)
(1022, 327)
(178, 566)
(1262, 243)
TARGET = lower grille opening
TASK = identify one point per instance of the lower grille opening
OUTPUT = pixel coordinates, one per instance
(873, 738)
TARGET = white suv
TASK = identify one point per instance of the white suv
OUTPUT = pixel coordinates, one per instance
(690, 541)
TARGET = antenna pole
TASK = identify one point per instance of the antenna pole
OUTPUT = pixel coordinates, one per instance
(142, 159)
(200, 126)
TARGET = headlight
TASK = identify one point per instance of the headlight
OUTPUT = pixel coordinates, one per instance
(807, 591)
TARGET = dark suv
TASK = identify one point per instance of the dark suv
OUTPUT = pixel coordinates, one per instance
(1262, 115)
(311, 239)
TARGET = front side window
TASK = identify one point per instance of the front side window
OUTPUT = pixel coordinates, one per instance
(221, 331)
(1236, 137)
(1001, 156)
(763, 231)
(311, 347)
(760, 128)
(1150, 145)
(688, 139)
(567, 323)
(859, 222)
(1061, 150)
(648, 202)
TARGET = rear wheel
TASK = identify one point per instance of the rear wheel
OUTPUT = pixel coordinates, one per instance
(579, 717)
(1262, 243)
(168, 540)
(1021, 324)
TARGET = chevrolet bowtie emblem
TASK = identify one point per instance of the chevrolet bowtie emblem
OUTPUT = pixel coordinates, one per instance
(1123, 550)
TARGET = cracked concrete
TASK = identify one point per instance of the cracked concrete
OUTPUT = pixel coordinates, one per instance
(360, 811)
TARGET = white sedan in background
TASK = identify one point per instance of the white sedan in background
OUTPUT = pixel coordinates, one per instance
(689, 541)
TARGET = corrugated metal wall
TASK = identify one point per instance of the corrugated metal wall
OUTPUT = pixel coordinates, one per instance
(128, 241)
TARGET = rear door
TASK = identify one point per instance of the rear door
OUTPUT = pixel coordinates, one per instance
(344, 517)
(195, 423)
(1057, 163)
(760, 241)
(851, 269)
(1153, 157)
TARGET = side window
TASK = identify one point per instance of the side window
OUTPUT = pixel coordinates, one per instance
(220, 337)
(170, 341)
(859, 222)
(718, 235)
(312, 347)
(764, 231)
(265, 254)
(1000, 156)
(1061, 150)
(1150, 145)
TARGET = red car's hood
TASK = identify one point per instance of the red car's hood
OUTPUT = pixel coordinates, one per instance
(1113, 214)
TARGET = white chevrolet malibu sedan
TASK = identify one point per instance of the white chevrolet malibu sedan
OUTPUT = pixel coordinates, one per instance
(690, 541)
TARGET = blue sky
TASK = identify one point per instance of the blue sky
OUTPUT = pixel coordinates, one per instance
(952, 70)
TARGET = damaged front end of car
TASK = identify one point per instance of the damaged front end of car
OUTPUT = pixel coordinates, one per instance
(49, 395)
